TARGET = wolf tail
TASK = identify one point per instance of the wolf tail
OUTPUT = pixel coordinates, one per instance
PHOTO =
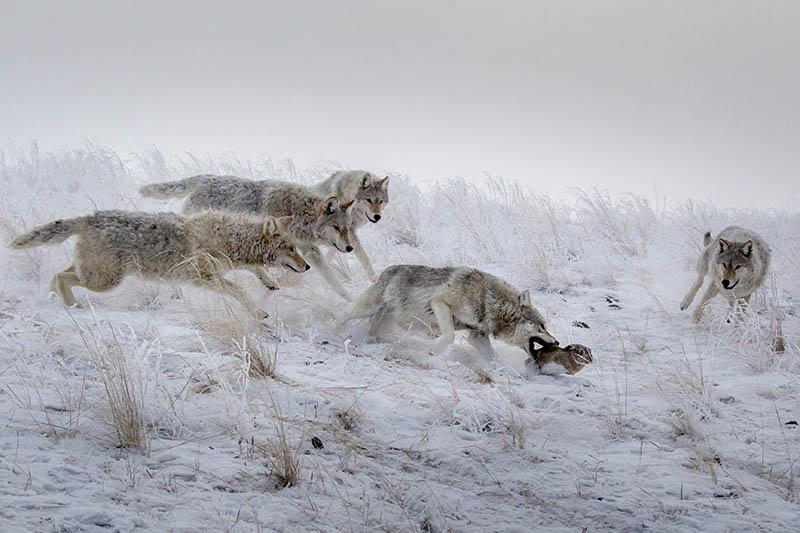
(171, 189)
(707, 239)
(52, 233)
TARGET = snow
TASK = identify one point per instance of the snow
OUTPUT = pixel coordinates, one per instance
(672, 427)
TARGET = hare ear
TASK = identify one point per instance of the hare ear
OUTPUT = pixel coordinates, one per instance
(284, 222)
(724, 245)
(328, 205)
(747, 248)
(348, 204)
(270, 226)
(384, 182)
(525, 299)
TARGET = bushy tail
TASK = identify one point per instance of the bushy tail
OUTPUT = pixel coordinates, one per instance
(52, 233)
(707, 239)
(171, 189)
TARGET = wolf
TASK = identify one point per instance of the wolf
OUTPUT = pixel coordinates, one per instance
(369, 194)
(316, 219)
(738, 260)
(165, 246)
(454, 298)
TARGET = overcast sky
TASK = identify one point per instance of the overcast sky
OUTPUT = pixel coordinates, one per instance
(693, 98)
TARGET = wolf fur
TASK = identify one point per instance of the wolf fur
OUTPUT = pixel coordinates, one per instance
(369, 196)
(448, 299)
(738, 260)
(196, 248)
(317, 219)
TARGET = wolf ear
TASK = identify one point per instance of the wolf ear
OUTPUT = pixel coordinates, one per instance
(270, 226)
(525, 299)
(329, 205)
(284, 222)
(365, 181)
(724, 245)
(384, 182)
(747, 248)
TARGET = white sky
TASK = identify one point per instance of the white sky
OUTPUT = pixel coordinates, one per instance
(693, 98)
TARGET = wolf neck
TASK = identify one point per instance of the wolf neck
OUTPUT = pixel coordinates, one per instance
(502, 307)
(241, 241)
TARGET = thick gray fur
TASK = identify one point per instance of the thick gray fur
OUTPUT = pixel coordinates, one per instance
(197, 249)
(317, 219)
(737, 260)
(448, 299)
(369, 195)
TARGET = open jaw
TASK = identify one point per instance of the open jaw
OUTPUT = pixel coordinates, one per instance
(732, 286)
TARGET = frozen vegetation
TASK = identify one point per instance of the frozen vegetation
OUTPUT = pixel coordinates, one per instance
(166, 407)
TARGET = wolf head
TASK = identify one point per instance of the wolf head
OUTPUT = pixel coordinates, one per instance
(526, 327)
(372, 196)
(280, 246)
(735, 258)
(335, 223)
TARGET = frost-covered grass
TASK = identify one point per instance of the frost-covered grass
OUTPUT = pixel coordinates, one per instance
(166, 407)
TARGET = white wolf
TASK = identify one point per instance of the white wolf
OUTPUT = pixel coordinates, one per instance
(738, 260)
(369, 194)
(449, 299)
(317, 220)
(196, 249)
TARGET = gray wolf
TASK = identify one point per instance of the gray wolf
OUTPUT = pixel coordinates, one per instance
(316, 219)
(369, 196)
(737, 260)
(166, 246)
(554, 359)
(448, 299)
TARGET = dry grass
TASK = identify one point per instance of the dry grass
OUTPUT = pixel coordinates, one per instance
(122, 389)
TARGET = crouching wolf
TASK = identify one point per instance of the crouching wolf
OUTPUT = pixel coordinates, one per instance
(196, 249)
(317, 220)
(369, 194)
(738, 260)
(447, 299)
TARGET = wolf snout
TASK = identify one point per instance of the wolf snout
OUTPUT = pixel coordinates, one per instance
(728, 284)
(348, 248)
(308, 267)
(376, 218)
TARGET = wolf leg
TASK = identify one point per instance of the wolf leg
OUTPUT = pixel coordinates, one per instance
(481, 342)
(224, 286)
(362, 256)
(711, 291)
(444, 318)
(62, 285)
(702, 270)
(377, 323)
(264, 276)
(687, 300)
(314, 256)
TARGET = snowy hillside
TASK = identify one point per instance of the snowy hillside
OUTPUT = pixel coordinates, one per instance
(165, 407)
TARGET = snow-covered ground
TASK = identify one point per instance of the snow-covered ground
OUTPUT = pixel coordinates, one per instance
(673, 427)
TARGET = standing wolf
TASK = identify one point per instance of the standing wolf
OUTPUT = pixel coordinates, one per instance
(197, 249)
(317, 220)
(738, 260)
(447, 299)
(369, 194)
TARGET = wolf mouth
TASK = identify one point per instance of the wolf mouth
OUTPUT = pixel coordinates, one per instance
(537, 345)
(732, 286)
